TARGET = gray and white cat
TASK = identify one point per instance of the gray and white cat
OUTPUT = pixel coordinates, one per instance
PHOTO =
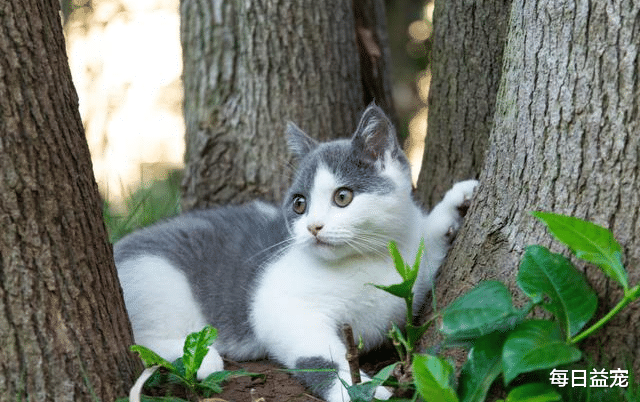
(279, 282)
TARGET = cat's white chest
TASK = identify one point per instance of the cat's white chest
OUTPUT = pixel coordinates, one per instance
(297, 292)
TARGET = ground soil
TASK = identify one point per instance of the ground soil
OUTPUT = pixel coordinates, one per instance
(278, 385)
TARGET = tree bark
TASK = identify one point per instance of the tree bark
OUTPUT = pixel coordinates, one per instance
(64, 331)
(468, 41)
(565, 140)
(375, 54)
(249, 67)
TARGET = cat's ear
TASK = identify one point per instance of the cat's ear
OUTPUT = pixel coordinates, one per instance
(375, 134)
(300, 144)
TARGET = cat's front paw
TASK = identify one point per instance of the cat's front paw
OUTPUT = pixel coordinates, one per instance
(446, 217)
(458, 200)
(382, 393)
(459, 196)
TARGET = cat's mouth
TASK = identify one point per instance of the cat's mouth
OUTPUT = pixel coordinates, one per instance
(322, 243)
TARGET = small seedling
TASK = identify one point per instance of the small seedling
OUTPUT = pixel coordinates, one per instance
(183, 371)
(405, 345)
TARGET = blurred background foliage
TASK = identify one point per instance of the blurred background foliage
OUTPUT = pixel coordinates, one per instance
(126, 61)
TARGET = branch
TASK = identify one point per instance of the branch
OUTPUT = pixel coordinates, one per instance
(352, 354)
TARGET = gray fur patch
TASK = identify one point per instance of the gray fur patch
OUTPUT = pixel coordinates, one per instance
(221, 251)
(319, 382)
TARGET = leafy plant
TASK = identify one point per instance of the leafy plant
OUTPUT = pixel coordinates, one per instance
(508, 344)
(364, 392)
(502, 340)
(405, 345)
(183, 371)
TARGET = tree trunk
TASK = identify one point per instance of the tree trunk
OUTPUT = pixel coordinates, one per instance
(565, 140)
(249, 67)
(468, 42)
(64, 331)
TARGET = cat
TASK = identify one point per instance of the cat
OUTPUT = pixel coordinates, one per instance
(279, 281)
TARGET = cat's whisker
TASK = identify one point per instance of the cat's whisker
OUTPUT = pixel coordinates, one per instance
(284, 244)
(368, 245)
(378, 238)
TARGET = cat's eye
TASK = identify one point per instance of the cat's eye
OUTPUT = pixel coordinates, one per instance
(343, 197)
(299, 204)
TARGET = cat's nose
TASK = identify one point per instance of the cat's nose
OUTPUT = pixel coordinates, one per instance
(314, 228)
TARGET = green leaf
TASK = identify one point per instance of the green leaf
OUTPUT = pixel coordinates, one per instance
(196, 347)
(432, 377)
(535, 392)
(484, 309)
(589, 242)
(398, 262)
(402, 290)
(416, 263)
(160, 378)
(365, 391)
(151, 358)
(360, 392)
(407, 273)
(482, 367)
(181, 370)
(571, 299)
(384, 374)
(213, 383)
(535, 345)
(414, 333)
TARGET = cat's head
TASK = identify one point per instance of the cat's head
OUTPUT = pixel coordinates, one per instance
(349, 196)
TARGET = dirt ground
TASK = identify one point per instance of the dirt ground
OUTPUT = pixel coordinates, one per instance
(278, 385)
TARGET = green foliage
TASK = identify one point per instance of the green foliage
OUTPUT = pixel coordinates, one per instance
(148, 204)
(571, 300)
(151, 358)
(483, 366)
(588, 242)
(195, 349)
(409, 273)
(533, 392)
(183, 371)
(364, 392)
(432, 377)
(535, 345)
(503, 341)
(484, 309)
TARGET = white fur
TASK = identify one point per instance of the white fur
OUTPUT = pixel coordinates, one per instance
(162, 309)
(158, 296)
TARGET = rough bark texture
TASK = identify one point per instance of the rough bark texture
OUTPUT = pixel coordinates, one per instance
(565, 140)
(251, 66)
(375, 54)
(467, 61)
(64, 332)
